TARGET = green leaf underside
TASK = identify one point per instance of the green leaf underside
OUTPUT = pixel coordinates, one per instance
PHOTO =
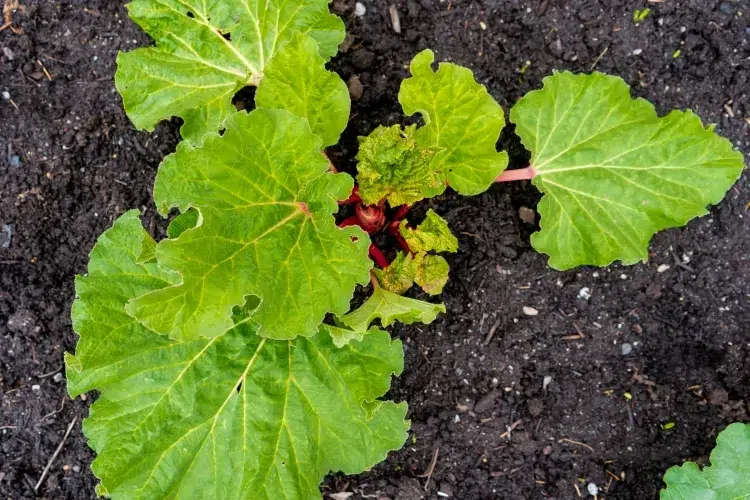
(432, 235)
(235, 416)
(392, 166)
(296, 80)
(389, 307)
(612, 172)
(727, 478)
(266, 229)
(194, 70)
(462, 122)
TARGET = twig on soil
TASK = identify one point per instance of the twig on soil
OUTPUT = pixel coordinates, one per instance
(5, 26)
(62, 405)
(45, 375)
(491, 333)
(510, 429)
(577, 490)
(596, 61)
(577, 443)
(46, 73)
(54, 455)
(431, 468)
(8, 427)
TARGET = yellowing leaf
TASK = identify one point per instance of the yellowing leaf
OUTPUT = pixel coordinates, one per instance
(432, 235)
(399, 276)
(394, 167)
(265, 201)
(432, 273)
(389, 307)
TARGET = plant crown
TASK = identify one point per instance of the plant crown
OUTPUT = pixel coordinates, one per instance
(227, 357)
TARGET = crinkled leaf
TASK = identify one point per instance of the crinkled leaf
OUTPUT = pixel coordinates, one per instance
(342, 336)
(432, 273)
(394, 167)
(234, 416)
(389, 307)
(206, 51)
(612, 172)
(432, 235)
(727, 478)
(462, 121)
(266, 229)
(399, 276)
(296, 80)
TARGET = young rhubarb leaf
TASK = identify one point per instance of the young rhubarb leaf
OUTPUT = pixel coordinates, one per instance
(727, 478)
(392, 166)
(462, 122)
(613, 173)
(432, 273)
(296, 80)
(399, 276)
(432, 235)
(266, 229)
(206, 51)
(235, 416)
(389, 307)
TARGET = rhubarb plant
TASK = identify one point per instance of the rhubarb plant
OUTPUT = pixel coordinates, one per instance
(727, 478)
(244, 356)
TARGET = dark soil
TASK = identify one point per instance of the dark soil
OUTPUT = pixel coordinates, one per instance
(70, 162)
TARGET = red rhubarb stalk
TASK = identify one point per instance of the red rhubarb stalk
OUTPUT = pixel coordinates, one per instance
(377, 256)
(371, 218)
(521, 174)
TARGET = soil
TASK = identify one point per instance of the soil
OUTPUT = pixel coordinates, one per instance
(509, 405)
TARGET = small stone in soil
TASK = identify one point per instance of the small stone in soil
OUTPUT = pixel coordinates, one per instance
(530, 311)
(359, 9)
(584, 293)
(355, 88)
(662, 268)
(626, 348)
(5, 235)
(527, 215)
(547, 381)
(592, 489)
(58, 377)
(36, 388)
(6, 96)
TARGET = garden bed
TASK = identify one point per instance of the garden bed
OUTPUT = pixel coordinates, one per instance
(587, 387)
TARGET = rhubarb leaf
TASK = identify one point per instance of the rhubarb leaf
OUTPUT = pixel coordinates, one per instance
(206, 51)
(389, 307)
(431, 273)
(296, 80)
(392, 166)
(613, 173)
(234, 416)
(266, 229)
(462, 122)
(727, 478)
(432, 235)
(399, 276)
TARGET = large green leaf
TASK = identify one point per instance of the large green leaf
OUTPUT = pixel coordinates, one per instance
(236, 416)
(266, 230)
(206, 51)
(727, 478)
(296, 80)
(613, 173)
(462, 121)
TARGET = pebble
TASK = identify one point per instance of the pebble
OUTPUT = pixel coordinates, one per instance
(547, 381)
(8, 53)
(355, 88)
(6, 95)
(76, 468)
(530, 311)
(527, 215)
(584, 293)
(726, 8)
(36, 388)
(592, 489)
(6, 235)
(359, 9)
(58, 377)
(662, 268)
(637, 52)
(626, 348)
